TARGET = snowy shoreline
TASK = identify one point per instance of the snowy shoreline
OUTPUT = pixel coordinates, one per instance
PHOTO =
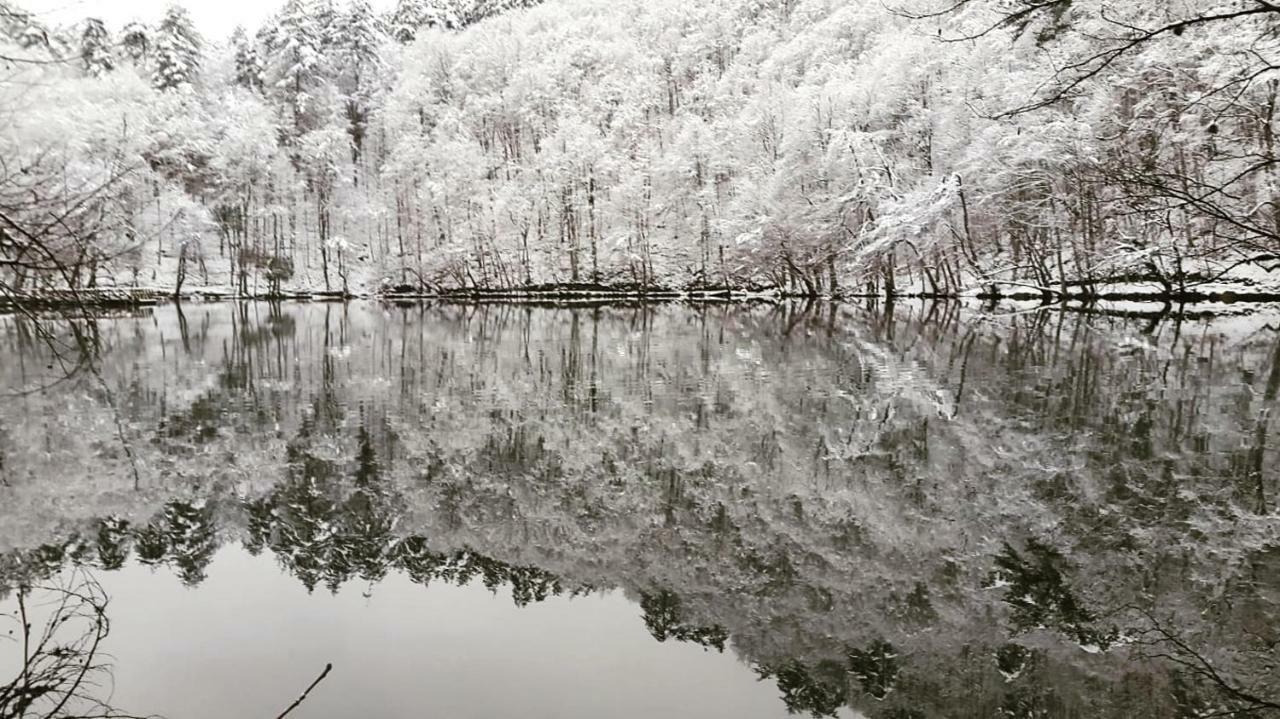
(568, 294)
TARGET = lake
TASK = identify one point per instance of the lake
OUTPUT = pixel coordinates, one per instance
(893, 511)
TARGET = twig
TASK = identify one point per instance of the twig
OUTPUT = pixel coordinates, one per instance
(299, 700)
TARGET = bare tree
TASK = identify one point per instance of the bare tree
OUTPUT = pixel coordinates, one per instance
(64, 672)
(1189, 153)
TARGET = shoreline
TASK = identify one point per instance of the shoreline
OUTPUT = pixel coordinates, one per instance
(578, 294)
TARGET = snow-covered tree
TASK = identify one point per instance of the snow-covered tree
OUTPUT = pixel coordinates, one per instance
(446, 14)
(23, 29)
(295, 62)
(248, 66)
(96, 51)
(405, 20)
(411, 16)
(178, 50)
(810, 145)
(481, 9)
(328, 23)
(359, 64)
(135, 39)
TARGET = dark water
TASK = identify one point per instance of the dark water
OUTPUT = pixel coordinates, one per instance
(904, 511)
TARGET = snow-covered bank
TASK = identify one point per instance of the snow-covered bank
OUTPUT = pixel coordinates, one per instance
(1137, 298)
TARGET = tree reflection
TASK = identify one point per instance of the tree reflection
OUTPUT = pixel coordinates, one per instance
(1037, 588)
(664, 619)
(113, 543)
(875, 667)
(183, 536)
(817, 689)
(829, 487)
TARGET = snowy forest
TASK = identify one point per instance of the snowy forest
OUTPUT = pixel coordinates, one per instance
(819, 147)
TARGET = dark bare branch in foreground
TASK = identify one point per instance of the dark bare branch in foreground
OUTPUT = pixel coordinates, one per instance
(303, 696)
(64, 674)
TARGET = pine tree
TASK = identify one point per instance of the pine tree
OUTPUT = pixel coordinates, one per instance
(362, 32)
(328, 24)
(359, 61)
(248, 66)
(407, 18)
(295, 63)
(177, 50)
(264, 43)
(488, 8)
(136, 40)
(95, 48)
(447, 14)
(413, 15)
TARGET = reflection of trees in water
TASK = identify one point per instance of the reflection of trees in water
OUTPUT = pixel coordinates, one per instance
(183, 537)
(1037, 590)
(51, 348)
(325, 525)
(809, 466)
(319, 528)
(819, 689)
(822, 687)
(664, 619)
(1172, 413)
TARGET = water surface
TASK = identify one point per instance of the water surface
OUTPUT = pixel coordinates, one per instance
(911, 510)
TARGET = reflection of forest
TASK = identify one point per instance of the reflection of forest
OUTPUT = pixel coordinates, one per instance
(919, 511)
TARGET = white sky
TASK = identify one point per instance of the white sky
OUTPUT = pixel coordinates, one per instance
(214, 18)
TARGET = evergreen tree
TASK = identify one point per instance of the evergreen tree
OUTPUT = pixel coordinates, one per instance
(263, 45)
(136, 40)
(248, 66)
(488, 8)
(407, 18)
(411, 16)
(362, 34)
(447, 14)
(177, 50)
(95, 48)
(328, 25)
(295, 64)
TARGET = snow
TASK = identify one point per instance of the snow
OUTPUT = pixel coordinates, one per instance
(813, 148)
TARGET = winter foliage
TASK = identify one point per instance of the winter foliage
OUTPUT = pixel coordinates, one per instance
(177, 50)
(95, 48)
(817, 146)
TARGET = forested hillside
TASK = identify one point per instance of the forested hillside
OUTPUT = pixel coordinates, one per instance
(818, 146)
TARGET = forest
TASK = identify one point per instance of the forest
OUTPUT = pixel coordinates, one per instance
(815, 147)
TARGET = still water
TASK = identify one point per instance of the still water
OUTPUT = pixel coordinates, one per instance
(858, 510)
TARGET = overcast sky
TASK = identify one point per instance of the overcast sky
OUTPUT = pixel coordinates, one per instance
(214, 18)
